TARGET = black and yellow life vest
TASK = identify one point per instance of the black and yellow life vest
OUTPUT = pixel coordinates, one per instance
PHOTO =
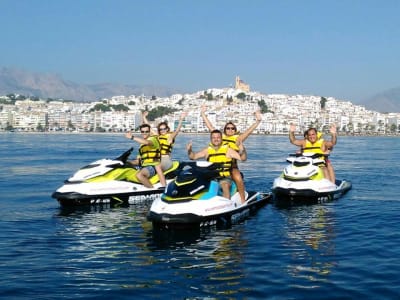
(166, 147)
(313, 148)
(219, 156)
(231, 141)
(150, 155)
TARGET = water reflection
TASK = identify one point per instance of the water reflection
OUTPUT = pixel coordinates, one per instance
(208, 259)
(310, 241)
(116, 247)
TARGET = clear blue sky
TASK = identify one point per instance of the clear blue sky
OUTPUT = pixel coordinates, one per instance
(348, 49)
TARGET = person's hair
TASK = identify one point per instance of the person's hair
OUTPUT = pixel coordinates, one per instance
(229, 123)
(161, 124)
(216, 131)
(144, 126)
(308, 131)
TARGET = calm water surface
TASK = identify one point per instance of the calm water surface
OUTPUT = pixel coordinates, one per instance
(345, 249)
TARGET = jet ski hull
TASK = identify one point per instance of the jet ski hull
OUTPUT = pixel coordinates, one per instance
(110, 182)
(217, 211)
(284, 195)
(303, 182)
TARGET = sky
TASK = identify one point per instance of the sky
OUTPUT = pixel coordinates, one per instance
(347, 49)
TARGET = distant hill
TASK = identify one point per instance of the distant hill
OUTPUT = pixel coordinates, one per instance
(387, 101)
(53, 86)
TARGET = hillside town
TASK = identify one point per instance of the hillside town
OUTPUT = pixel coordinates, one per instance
(237, 103)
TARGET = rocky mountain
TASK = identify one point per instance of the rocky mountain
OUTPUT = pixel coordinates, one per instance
(53, 86)
(387, 101)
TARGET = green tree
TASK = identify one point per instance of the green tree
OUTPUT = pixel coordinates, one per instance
(39, 127)
(263, 106)
(100, 107)
(120, 107)
(323, 102)
(241, 96)
(160, 111)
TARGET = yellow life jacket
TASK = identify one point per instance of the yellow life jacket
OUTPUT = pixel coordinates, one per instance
(231, 141)
(219, 156)
(166, 148)
(150, 155)
(313, 148)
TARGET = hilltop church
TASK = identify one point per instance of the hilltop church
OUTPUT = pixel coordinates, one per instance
(240, 84)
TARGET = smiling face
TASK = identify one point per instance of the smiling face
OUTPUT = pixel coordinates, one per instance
(145, 131)
(216, 138)
(312, 135)
(229, 129)
(162, 128)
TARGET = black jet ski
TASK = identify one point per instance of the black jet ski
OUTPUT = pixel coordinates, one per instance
(109, 181)
(303, 182)
(194, 199)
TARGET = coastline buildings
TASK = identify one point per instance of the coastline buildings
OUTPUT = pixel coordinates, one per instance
(236, 104)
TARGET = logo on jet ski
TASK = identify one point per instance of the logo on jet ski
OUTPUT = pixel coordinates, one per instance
(142, 198)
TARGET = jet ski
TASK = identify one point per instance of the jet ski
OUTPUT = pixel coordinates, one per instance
(303, 182)
(110, 181)
(194, 200)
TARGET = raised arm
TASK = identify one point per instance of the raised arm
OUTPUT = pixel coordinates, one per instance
(292, 138)
(195, 155)
(332, 142)
(178, 128)
(205, 119)
(249, 130)
(146, 121)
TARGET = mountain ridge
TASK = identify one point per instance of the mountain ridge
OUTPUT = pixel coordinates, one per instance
(27, 83)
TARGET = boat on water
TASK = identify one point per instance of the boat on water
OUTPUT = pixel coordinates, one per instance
(302, 182)
(194, 199)
(111, 182)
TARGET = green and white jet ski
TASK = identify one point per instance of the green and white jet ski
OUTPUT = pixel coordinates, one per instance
(109, 181)
(303, 182)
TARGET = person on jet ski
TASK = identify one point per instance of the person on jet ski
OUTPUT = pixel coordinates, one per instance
(219, 152)
(232, 137)
(166, 139)
(149, 158)
(314, 143)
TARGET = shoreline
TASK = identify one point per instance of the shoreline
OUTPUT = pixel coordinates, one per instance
(188, 133)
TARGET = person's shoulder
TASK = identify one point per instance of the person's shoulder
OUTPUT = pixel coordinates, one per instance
(154, 139)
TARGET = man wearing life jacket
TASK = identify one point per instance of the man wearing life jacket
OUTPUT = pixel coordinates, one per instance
(166, 139)
(217, 152)
(232, 137)
(314, 144)
(149, 157)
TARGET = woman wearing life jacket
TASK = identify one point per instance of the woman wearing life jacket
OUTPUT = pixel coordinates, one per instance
(149, 157)
(232, 137)
(328, 163)
(218, 152)
(315, 144)
(166, 139)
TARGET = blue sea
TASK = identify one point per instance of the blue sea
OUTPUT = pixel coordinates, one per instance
(345, 249)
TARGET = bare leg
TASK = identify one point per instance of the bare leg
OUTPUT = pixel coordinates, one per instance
(143, 176)
(237, 177)
(225, 186)
(331, 171)
(326, 173)
(160, 174)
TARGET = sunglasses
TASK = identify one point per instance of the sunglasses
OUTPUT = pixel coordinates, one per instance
(230, 128)
(144, 131)
(162, 129)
